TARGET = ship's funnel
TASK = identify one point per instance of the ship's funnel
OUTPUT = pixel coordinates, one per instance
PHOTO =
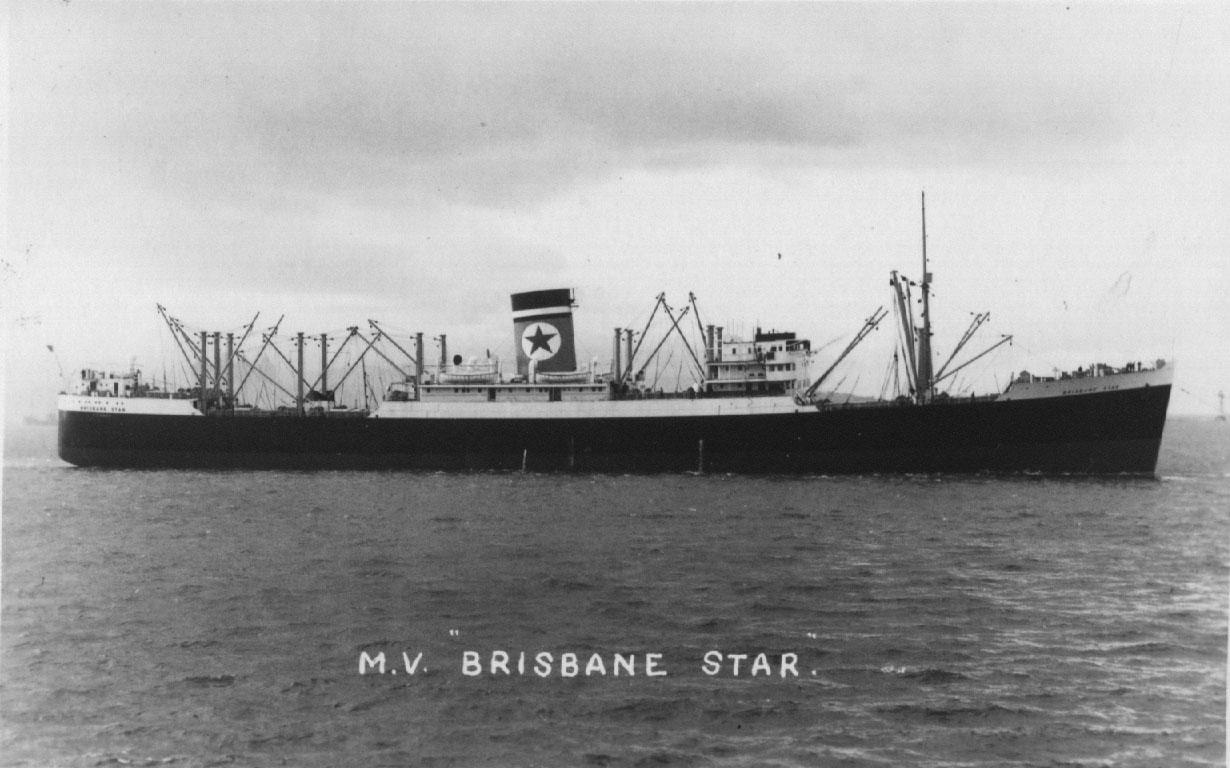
(542, 330)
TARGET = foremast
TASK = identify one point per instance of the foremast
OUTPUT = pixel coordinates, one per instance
(925, 378)
(915, 340)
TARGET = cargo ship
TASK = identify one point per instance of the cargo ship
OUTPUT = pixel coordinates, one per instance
(755, 410)
(755, 405)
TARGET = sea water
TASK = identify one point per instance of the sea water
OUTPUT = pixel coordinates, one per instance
(456, 619)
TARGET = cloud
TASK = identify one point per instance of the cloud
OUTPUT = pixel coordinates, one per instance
(505, 104)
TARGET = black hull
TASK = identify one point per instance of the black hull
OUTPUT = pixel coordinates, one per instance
(1105, 433)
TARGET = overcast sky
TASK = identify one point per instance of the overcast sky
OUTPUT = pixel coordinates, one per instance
(416, 163)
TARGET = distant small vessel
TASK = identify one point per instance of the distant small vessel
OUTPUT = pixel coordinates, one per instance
(755, 407)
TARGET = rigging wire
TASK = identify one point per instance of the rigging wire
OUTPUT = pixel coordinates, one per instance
(853, 387)
(889, 375)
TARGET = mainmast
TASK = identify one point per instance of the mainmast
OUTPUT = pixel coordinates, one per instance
(925, 377)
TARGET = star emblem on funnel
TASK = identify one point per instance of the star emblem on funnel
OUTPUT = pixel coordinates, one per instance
(540, 341)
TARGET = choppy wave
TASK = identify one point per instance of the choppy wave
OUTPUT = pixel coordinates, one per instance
(198, 618)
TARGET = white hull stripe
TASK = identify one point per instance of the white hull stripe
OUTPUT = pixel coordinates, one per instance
(651, 408)
(142, 405)
(1087, 385)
